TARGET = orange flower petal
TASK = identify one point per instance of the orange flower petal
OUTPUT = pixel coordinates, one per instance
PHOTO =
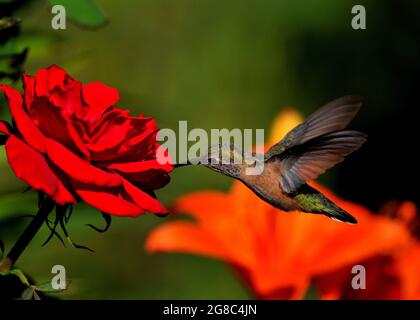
(183, 237)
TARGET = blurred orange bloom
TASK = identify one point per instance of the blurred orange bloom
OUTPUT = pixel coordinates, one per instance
(393, 276)
(279, 254)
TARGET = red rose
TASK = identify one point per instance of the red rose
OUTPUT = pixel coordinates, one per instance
(69, 141)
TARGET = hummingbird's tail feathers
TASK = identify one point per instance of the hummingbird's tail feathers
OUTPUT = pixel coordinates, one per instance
(334, 116)
(339, 214)
(312, 201)
(308, 161)
(331, 210)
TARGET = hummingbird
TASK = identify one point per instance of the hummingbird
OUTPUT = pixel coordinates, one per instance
(307, 151)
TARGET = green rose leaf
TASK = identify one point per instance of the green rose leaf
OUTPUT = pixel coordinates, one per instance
(27, 294)
(47, 287)
(19, 273)
(84, 12)
(7, 22)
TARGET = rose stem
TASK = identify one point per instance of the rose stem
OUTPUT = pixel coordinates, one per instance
(46, 206)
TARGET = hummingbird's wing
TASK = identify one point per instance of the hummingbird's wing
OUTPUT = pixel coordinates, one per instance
(306, 162)
(334, 116)
(317, 144)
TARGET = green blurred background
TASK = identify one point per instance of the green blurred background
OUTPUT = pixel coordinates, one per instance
(218, 64)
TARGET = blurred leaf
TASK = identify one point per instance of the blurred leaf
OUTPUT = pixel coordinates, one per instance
(40, 44)
(19, 273)
(11, 57)
(27, 294)
(83, 12)
(8, 22)
(47, 287)
(9, 28)
(36, 296)
(8, 49)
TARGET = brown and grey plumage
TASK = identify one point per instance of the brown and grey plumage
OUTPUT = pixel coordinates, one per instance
(306, 152)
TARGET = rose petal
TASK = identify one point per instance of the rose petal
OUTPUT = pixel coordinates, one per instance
(98, 97)
(149, 174)
(54, 124)
(32, 167)
(111, 131)
(140, 166)
(77, 168)
(41, 83)
(49, 79)
(139, 144)
(149, 180)
(5, 131)
(68, 99)
(57, 87)
(57, 77)
(27, 128)
(144, 200)
(5, 128)
(106, 201)
(143, 128)
(28, 89)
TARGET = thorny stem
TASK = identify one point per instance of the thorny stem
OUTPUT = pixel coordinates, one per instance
(46, 205)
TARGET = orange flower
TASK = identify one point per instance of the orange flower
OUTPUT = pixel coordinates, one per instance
(278, 254)
(393, 276)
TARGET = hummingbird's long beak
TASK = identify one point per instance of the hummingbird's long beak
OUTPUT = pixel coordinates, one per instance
(194, 161)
